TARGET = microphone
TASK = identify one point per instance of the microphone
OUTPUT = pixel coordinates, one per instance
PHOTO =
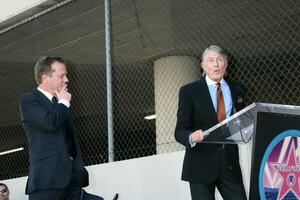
(116, 196)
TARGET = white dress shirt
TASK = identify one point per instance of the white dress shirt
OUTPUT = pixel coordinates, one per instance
(50, 96)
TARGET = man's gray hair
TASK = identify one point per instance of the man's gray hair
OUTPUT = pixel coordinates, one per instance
(215, 48)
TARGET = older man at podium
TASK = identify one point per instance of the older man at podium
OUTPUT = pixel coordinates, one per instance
(203, 104)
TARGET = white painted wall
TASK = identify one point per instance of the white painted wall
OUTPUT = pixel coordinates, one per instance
(149, 178)
(10, 8)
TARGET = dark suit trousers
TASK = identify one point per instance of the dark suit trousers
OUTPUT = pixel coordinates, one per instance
(69, 193)
(228, 182)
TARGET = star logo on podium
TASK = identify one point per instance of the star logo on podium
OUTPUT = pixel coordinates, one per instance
(290, 175)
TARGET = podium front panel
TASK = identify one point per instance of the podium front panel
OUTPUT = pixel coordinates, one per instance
(269, 185)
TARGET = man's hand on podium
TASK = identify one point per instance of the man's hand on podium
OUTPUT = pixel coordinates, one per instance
(197, 136)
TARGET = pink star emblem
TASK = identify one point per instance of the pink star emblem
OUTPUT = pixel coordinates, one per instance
(290, 175)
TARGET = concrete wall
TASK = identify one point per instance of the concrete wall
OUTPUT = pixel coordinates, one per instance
(149, 178)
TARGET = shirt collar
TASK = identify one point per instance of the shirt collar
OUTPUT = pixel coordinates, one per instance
(211, 82)
(47, 94)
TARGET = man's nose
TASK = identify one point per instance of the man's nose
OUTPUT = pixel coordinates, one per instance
(215, 64)
(66, 79)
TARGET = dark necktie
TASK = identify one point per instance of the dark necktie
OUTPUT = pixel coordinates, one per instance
(221, 113)
(54, 100)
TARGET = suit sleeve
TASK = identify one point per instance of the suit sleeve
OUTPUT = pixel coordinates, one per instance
(184, 118)
(238, 100)
(39, 117)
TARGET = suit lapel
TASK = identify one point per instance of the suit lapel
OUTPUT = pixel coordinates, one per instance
(42, 98)
(233, 94)
(47, 103)
(204, 97)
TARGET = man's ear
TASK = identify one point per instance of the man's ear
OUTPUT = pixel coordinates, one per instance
(201, 69)
(201, 66)
(44, 78)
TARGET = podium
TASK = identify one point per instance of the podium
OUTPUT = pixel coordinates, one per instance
(274, 131)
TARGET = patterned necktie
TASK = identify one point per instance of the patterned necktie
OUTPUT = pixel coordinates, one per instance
(221, 113)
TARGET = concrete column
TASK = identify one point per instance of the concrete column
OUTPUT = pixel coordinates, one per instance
(170, 73)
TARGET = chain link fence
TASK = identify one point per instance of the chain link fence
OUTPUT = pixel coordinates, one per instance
(156, 48)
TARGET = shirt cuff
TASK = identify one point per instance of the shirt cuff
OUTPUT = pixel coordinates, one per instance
(192, 143)
(65, 102)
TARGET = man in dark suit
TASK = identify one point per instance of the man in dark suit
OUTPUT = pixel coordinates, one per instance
(56, 169)
(207, 166)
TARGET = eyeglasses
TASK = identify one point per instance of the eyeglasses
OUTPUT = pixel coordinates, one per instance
(3, 191)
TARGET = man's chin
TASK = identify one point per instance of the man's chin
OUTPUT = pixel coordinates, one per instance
(216, 78)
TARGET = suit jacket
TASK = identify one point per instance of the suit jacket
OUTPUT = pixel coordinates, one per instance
(88, 196)
(196, 111)
(49, 131)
